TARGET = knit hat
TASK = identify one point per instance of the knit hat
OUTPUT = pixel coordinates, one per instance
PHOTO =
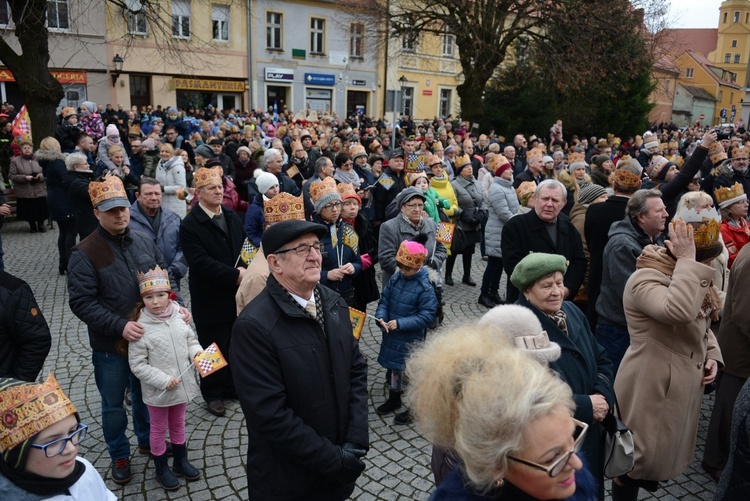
(245, 149)
(280, 234)
(728, 195)
(283, 207)
(265, 181)
(206, 176)
(149, 143)
(323, 193)
(547, 159)
(155, 280)
(108, 194)
(205, 151)
(575, 161)
(599, 160)
(112, 130)
(535, 266)
(346, 190)
(89, 105)
(521, 326)
(450, 149)
(524, 192)
(590, 192)
(411, 254)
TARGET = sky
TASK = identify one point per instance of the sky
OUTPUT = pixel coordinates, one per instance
(695, 13)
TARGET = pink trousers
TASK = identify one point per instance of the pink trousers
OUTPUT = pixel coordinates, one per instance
(161, 417)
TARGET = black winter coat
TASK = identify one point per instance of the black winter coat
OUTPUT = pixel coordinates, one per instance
(365, 287)
(383, 196)
(25, 338)
(527, 233)
(76, 184)
(304, 394)
(53, 164)
(211, 256)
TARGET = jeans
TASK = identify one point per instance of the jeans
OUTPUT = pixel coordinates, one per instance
(112, 374)
(615, 341)
(492, 275)
(172, 417)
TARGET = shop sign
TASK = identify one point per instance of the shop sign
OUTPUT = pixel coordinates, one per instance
(62, 76)
(319, 79)
(360, 83)
(318, 93)
(279, 74)
(208, 85)
(426, 92)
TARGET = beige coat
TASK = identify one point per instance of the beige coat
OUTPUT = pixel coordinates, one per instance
(253, 281)
(658, 384)
(21, 167)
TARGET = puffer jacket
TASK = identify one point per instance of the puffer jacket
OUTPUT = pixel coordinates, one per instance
(412, 302)
(166, 349)
(255, 220)
(503, 204)
(21, 167)
(171, 176)
(103, 282)
(398, 229)
(470, 201)
(433, 203)
(444, 189)
(166, 238)
(53, 163)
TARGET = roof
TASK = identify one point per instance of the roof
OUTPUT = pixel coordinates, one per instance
(701, 40)
(708, 66)
(699, 93)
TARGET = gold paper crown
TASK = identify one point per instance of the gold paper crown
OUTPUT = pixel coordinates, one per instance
(357, 151)
(602, 143)
(524, 191)
(576, 157)
(430, 160)
(740, 152)
(296, 145)
(462, 161)
(156, 280)
(726, 196)
(673, 144)
(324, 187)
(534, 154)
(413, 176)
(105, 190)
(346, 190)
(26, 409)
(205, 176)
(716, 153)
(498, 161)
(706, 224)
(663, 146)
(284, 207)
(407, 258)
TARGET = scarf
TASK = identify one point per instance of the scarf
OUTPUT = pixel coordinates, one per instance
(114, 141)
(561, 320)
(657, 258)
(166, 315)
(169, 163)
(417, 226)
(347, 177)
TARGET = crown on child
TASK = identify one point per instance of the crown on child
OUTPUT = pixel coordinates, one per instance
(156, 280)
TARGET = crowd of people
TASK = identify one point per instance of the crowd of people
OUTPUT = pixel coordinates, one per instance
(623, 259)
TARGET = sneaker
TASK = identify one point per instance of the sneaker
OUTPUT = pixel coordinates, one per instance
(121, 473)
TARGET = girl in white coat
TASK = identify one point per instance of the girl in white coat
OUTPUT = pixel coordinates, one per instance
(159, 359)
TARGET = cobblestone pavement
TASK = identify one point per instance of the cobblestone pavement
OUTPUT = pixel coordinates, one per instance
(398, 464)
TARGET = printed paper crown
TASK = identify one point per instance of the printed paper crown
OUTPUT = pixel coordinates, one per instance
(346, 190)
(534, 154)
(663, 146)
(357, 151)
(26, 409)
(707, 235)
(673, 144)
(321, 188)
(524, 191)
(575, 158)
(284, 207)
(462, 161)
(716, 153)
(726, 196)
(206, 176)
(498, 161)
(156, 280)
(740, 152)
(430, 160)
(110, 188)
(411, 254)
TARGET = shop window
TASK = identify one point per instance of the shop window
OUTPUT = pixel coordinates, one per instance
(274, 26)
(57, 15)
(449, 43)
(357, 40)
(445, 102)
(737, 58)
(220, 21)
(181, 18)
(727, 58)
(407, 101)
(317, 35)
(4, 13)
(689, 72)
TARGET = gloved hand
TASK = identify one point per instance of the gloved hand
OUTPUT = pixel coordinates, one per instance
(445, 204)
(351, 467)
(359, 450)
(366, 261)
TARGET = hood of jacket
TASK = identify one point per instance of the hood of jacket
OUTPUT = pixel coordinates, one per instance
(626, 228)
(48, 156)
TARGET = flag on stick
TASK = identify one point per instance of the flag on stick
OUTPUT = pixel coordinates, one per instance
(445, 232)
(210, 361)
(22, 122)
(247, 253)
(358, 321)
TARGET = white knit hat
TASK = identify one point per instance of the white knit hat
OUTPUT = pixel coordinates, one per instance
(112, 130)
(522, 328)
(265, 181)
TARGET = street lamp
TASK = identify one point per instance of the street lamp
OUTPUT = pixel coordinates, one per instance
(117, 63)
(401, 81)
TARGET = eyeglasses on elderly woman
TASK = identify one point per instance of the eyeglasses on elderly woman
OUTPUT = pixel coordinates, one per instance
(554, 469)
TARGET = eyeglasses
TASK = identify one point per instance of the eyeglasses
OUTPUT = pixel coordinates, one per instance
(559, 465)
(414, 206)
(348, 163)
(303, 250)
(332, 206)
(56, 447)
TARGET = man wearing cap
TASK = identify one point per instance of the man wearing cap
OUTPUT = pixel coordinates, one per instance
(103, 291)
(390, 183)
(211, 237)
(307, 143)
(303, 377)
(735, 172)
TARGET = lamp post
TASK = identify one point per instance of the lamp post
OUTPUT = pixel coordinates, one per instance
(117, 62)
(401, 81)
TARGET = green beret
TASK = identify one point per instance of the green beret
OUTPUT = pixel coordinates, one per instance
(535, 266)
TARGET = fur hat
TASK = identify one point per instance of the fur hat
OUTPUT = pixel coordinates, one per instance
(411, 254)
(524, 331)
(535, 266)
(323, 193)
(265, 181)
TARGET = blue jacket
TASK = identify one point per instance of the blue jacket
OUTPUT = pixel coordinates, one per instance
(167, 239)
(413, 303)
(347, 246)
(255, 220)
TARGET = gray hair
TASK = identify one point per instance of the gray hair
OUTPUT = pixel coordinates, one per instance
(74, 159)
(149, 181)
(269, 154)
(320, 163)
(638, 203)
(551, 184)
(558, 154)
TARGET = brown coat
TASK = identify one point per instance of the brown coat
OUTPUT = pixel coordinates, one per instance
(21, 167)
(658, 384)
(734, 333)
(253, 282)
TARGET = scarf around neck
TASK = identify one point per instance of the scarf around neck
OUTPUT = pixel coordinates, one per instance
(347, 177)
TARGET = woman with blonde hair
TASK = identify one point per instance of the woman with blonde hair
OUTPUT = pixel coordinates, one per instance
(170, 172)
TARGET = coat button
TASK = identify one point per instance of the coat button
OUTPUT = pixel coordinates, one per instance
(704, 283)
(700, 365)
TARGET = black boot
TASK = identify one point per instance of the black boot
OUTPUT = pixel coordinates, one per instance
(404, 418)
(182, 466)
(40, 226)
(164, 475)
(468, 281)
(624, 492)
(390, 405)
(495, 296)
(486, 301)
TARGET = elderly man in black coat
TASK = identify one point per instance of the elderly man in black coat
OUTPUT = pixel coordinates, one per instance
(211, 238)
(303, 377)
(545, 229)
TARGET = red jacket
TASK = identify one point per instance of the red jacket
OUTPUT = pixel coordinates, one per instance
(734, 238)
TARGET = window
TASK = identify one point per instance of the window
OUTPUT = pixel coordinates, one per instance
(181, 18)
(727, 57)
(409, 42)
(317, 35)
(734, 43)
(747, 17)
(407, 101)
(721, 95)
(220, 22)
(688, 72)
(725, 18)
(4, 13)
(57, 14)
(736, 17)
(445, 102)
(737, 59)
(357, 40)
(449, 43)
(136, 19)
(273, 30)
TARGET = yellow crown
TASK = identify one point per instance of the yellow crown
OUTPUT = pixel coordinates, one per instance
(534, 154)
(726, 196)
(205, 176)
(706, 226)
(716, 153)
(740, 152)
(106, 190)
(324, 187)
(346, 190)
(575, 158)
(674, 144)
(284, 207)
(462, 161)
(26, 409)
(524, 191)
(663, 146)
(156, 280)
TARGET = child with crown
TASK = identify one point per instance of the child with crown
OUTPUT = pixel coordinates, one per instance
(162, 361)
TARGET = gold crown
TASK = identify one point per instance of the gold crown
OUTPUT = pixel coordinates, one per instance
(740, 152)
(105, 190)
(524, 191)
(411, 259)
(156, 280)
(26, 409)
(716, 153)
(205, 176)
(706, 224)
(346, 190)
(663, 146)
(284, 207)
(430, 160)
(534, 154)
(726, 196)
(498, 161)
(575, 158)
(673, 144)
(462, 161)
(357, 151)
(413, 176)
(324, 187)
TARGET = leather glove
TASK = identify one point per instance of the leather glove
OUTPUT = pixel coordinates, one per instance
(351, 467)
(359, 450)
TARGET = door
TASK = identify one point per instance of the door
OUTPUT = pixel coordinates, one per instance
(140, 90)
(356, 102)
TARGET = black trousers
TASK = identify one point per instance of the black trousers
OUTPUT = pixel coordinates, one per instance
(218, 385)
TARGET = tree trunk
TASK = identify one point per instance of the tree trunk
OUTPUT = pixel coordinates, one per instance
(471, 93)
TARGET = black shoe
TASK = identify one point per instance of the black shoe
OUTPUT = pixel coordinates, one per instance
(448, 280)
(216, 407)
(146, 449)
(33, 230)
(486, 301)
(121, 473)
(390, 405)
(181, 466)
(713, 473)
(468, 281)
(404, 418)
(495, 296)
(164, 475)
(42, 229)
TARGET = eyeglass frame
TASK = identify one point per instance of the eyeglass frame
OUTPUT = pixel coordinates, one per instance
(333, 205)
(318, 246)
(563, 459)
(412, 206)
(81, 428)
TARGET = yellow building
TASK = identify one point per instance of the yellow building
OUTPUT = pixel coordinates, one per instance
(733, 44)
(196, 56)
(665, 76)
(699, 72)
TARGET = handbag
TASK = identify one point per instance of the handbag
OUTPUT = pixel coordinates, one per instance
(459, 241)
(619, 448)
